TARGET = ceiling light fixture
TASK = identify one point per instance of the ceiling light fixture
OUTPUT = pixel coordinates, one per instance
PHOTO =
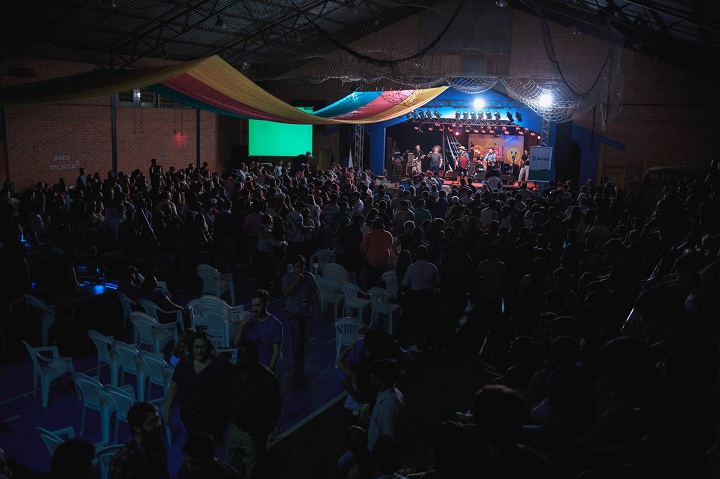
(501, 3)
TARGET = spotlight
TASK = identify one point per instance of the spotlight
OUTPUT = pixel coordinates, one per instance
(545, 100)
(497, 115)
(501, 3)
(442, 128)
(509, 116)
(473, 115)
(479, 103)
(220, 23)
(520, 132)
(532, 133)
(457, 115)
(475, 131)
(467, 130)
(454, 125)
(488, 115)
(430, 128)
(436, 113)
(437, 123)
(483, 131)
(518, 116)
(465, 115)
(457, 133)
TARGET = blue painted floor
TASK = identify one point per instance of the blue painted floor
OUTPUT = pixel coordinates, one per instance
(20, 413)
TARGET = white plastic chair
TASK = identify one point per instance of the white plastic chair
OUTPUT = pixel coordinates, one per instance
(347, 330)
(152, 333)
(123, 401)
(127, 306)
(219, 325)
(52, 439)
(130, 362)
(194, 315)
(390, 280)
(106, 354)
(154, 310)
(94, 397)
(45, 313)
(329, 294)
(103, 457)
(320, 258)
(47, 369)
(216, 283)
(210, 301)
(353, 301)
(381, 306)
(158, 372)
(337, 273)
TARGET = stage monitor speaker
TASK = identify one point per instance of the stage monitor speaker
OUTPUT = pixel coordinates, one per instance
(451, 175)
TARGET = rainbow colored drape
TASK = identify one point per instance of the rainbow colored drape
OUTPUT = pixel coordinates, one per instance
(212, 84)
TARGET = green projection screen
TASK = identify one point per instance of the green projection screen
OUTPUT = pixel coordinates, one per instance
(268, 138)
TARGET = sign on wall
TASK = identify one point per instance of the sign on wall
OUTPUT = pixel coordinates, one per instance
(63, 162)
(540, 163)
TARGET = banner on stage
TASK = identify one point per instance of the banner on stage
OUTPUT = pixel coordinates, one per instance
(541, 158)
(508, 148)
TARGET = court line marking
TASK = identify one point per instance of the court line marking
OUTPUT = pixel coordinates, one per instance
(307, 419)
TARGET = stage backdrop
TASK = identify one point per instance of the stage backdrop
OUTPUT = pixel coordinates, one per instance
(508, 148)
(541, 158)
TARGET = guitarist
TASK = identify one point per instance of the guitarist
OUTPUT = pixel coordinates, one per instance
(420, 156)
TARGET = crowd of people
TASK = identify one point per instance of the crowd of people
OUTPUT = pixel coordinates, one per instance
(592, 313)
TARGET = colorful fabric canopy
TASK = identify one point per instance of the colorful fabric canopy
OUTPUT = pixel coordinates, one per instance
(212, 84)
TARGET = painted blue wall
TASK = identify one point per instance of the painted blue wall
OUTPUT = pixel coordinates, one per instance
(589, 142)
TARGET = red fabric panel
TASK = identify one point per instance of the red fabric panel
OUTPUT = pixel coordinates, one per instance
(382, 103)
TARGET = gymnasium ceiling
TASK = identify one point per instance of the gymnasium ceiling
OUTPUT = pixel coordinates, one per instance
(247, 33)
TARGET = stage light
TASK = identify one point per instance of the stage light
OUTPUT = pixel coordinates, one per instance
(479, 103)
(430, 128)
(465, 115)
(436, 113)
(473, 115)
(520, 132)
(497, 115)
(454, 125)
(437, 123)
(442, 128)
(545, 100)
(509, 116)
(518, 116)
(457, 133)
(408, 116)
(475, 131)
(501, 3)
(488, 115)
(415, 115)
(467, 130)
(483, 131)
(457, 115)
(532, 133)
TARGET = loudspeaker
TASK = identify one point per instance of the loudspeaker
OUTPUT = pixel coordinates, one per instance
(451, 175)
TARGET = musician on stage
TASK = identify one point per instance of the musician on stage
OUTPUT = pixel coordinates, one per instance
(490, 158)
(420, 157)
(436, 160)
(463, 162)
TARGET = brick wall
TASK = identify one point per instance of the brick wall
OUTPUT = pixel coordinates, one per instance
(47, 142)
